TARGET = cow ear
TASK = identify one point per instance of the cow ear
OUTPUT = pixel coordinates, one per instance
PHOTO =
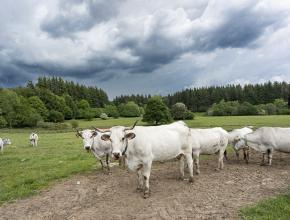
(105, 137)
(130, 135)
(94, 134)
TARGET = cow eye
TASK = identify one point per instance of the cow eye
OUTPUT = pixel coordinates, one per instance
(123, 138)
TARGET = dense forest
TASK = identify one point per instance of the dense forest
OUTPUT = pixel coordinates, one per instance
(200, 99)
(52, 99)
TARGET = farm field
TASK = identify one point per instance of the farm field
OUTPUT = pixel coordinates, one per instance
(25, 170)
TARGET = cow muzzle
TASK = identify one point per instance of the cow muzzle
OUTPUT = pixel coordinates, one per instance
(116, 156)
(87, 148)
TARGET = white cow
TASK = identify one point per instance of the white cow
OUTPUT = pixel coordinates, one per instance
(143, 145)
(92, 142)
(3, 142)
(209, 141)
(266, 140)
(237, 134)
(33, 138)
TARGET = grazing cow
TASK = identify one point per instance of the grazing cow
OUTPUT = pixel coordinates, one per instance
(92, 142)
(266, 140)
(237, 134)
(33, 138)
(3, 142)
(209, 141)
(143, 145)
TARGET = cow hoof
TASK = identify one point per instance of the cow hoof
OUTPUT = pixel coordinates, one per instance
(146, 195)
(262, 164)
(217, 169)
(190, 179)
(181, 178)
(139, 189)
(197, 172)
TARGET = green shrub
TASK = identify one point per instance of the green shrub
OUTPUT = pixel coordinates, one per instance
(3, 122)
(52, 126)
(130, 109)
(188, 115)
(55, 116)
(104, 116)
(156, 111)
(97, 112)
(111, 111)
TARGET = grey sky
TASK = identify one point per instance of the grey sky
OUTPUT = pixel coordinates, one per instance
(134, 46)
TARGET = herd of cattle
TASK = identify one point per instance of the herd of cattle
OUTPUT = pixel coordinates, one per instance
(138, 146)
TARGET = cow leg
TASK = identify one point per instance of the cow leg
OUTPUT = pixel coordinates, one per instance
(237, 154)
(101, 164)
(263, 160)
(247, 153)
(270, 155)
(190, 166)
(140, 178)
(181, 166)
(196, 162)
(146, 176)
(226, 155)
(221, 160)
(108, 163)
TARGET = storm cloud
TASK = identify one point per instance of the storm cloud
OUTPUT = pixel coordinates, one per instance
(156, 46)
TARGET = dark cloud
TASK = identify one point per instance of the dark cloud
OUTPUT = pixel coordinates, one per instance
(107, 41)
(79, 15)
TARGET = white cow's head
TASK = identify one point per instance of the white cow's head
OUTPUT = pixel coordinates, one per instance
(6, 141)
(119, 137)
(239, 143)
(88, 138)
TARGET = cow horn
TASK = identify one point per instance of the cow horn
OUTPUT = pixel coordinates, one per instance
(79, 133)
(131, 128)
(102, 130)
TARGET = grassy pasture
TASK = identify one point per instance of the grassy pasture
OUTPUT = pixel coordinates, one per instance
(25, 170)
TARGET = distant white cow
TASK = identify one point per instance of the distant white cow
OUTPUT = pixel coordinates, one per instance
(3, 142)
(92, 142)
(209, 141)
(33, 139)
(266, 140)
(143, 145)
(237, 134)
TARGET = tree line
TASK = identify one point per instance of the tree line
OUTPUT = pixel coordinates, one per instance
(200, 99)
(51, 100)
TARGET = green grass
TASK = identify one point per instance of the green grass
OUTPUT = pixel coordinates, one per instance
(200, 121)
(25, 170)
(274, 208)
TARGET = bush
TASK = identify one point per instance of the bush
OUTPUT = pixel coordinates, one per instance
(32, 119)
(111, 111)
(55, 116)
(130, 109)
(104, 116)
(188, 115)
(3, 122)
(271, 109)
(156, 111)
(247, 109)
(178, 111)
(74, 123)
(52, 126)
(68, 113)
(88, 114)
(97, 112)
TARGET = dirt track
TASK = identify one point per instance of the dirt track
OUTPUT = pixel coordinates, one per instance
(213, 195)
